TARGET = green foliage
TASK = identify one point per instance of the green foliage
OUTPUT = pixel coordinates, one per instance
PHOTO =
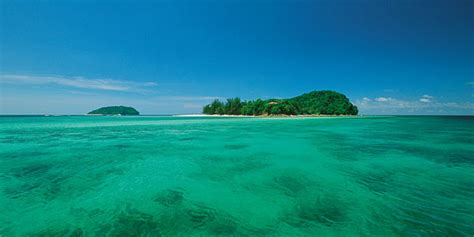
(233, 106)
(216, 107)
(313, 103)
(325, 102)
(115, 110)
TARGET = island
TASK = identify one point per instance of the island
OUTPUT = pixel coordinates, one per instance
(115, 110)
(315, 103)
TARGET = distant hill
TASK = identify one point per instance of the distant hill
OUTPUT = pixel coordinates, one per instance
(115, 110)
(312, 103)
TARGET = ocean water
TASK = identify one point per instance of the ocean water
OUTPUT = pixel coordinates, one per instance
(176, 176)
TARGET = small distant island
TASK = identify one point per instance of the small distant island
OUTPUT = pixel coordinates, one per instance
(313, 103)
(114, 110)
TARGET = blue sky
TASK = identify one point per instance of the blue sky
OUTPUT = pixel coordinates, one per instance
(162, 57)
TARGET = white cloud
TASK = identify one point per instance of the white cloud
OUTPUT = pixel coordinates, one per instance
(77, 82)
(383, 99)
(426, 99)
(424, 105)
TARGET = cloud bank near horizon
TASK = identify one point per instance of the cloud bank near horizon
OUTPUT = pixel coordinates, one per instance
(78, 82)
(59, 95)
(425, 104)
(30, 94)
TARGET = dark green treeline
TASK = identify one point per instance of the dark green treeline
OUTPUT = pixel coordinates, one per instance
(313, 103)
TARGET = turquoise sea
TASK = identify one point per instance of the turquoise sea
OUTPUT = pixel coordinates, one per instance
(200, 176)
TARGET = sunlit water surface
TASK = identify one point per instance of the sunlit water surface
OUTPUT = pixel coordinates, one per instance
(151, 176)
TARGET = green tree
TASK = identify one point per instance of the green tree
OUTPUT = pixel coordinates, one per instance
(233, 106)
(216, 107)
(207, 110)
(247, 108)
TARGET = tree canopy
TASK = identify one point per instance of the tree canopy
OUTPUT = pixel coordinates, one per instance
(115, 110)
(313, 103)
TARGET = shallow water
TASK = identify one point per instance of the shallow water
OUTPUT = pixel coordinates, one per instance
(151, 176)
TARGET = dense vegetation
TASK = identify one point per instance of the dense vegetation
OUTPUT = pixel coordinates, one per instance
(115, 110)
(313, 103)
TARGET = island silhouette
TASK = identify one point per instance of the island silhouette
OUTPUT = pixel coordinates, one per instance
(313, 103)
(115, 110)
